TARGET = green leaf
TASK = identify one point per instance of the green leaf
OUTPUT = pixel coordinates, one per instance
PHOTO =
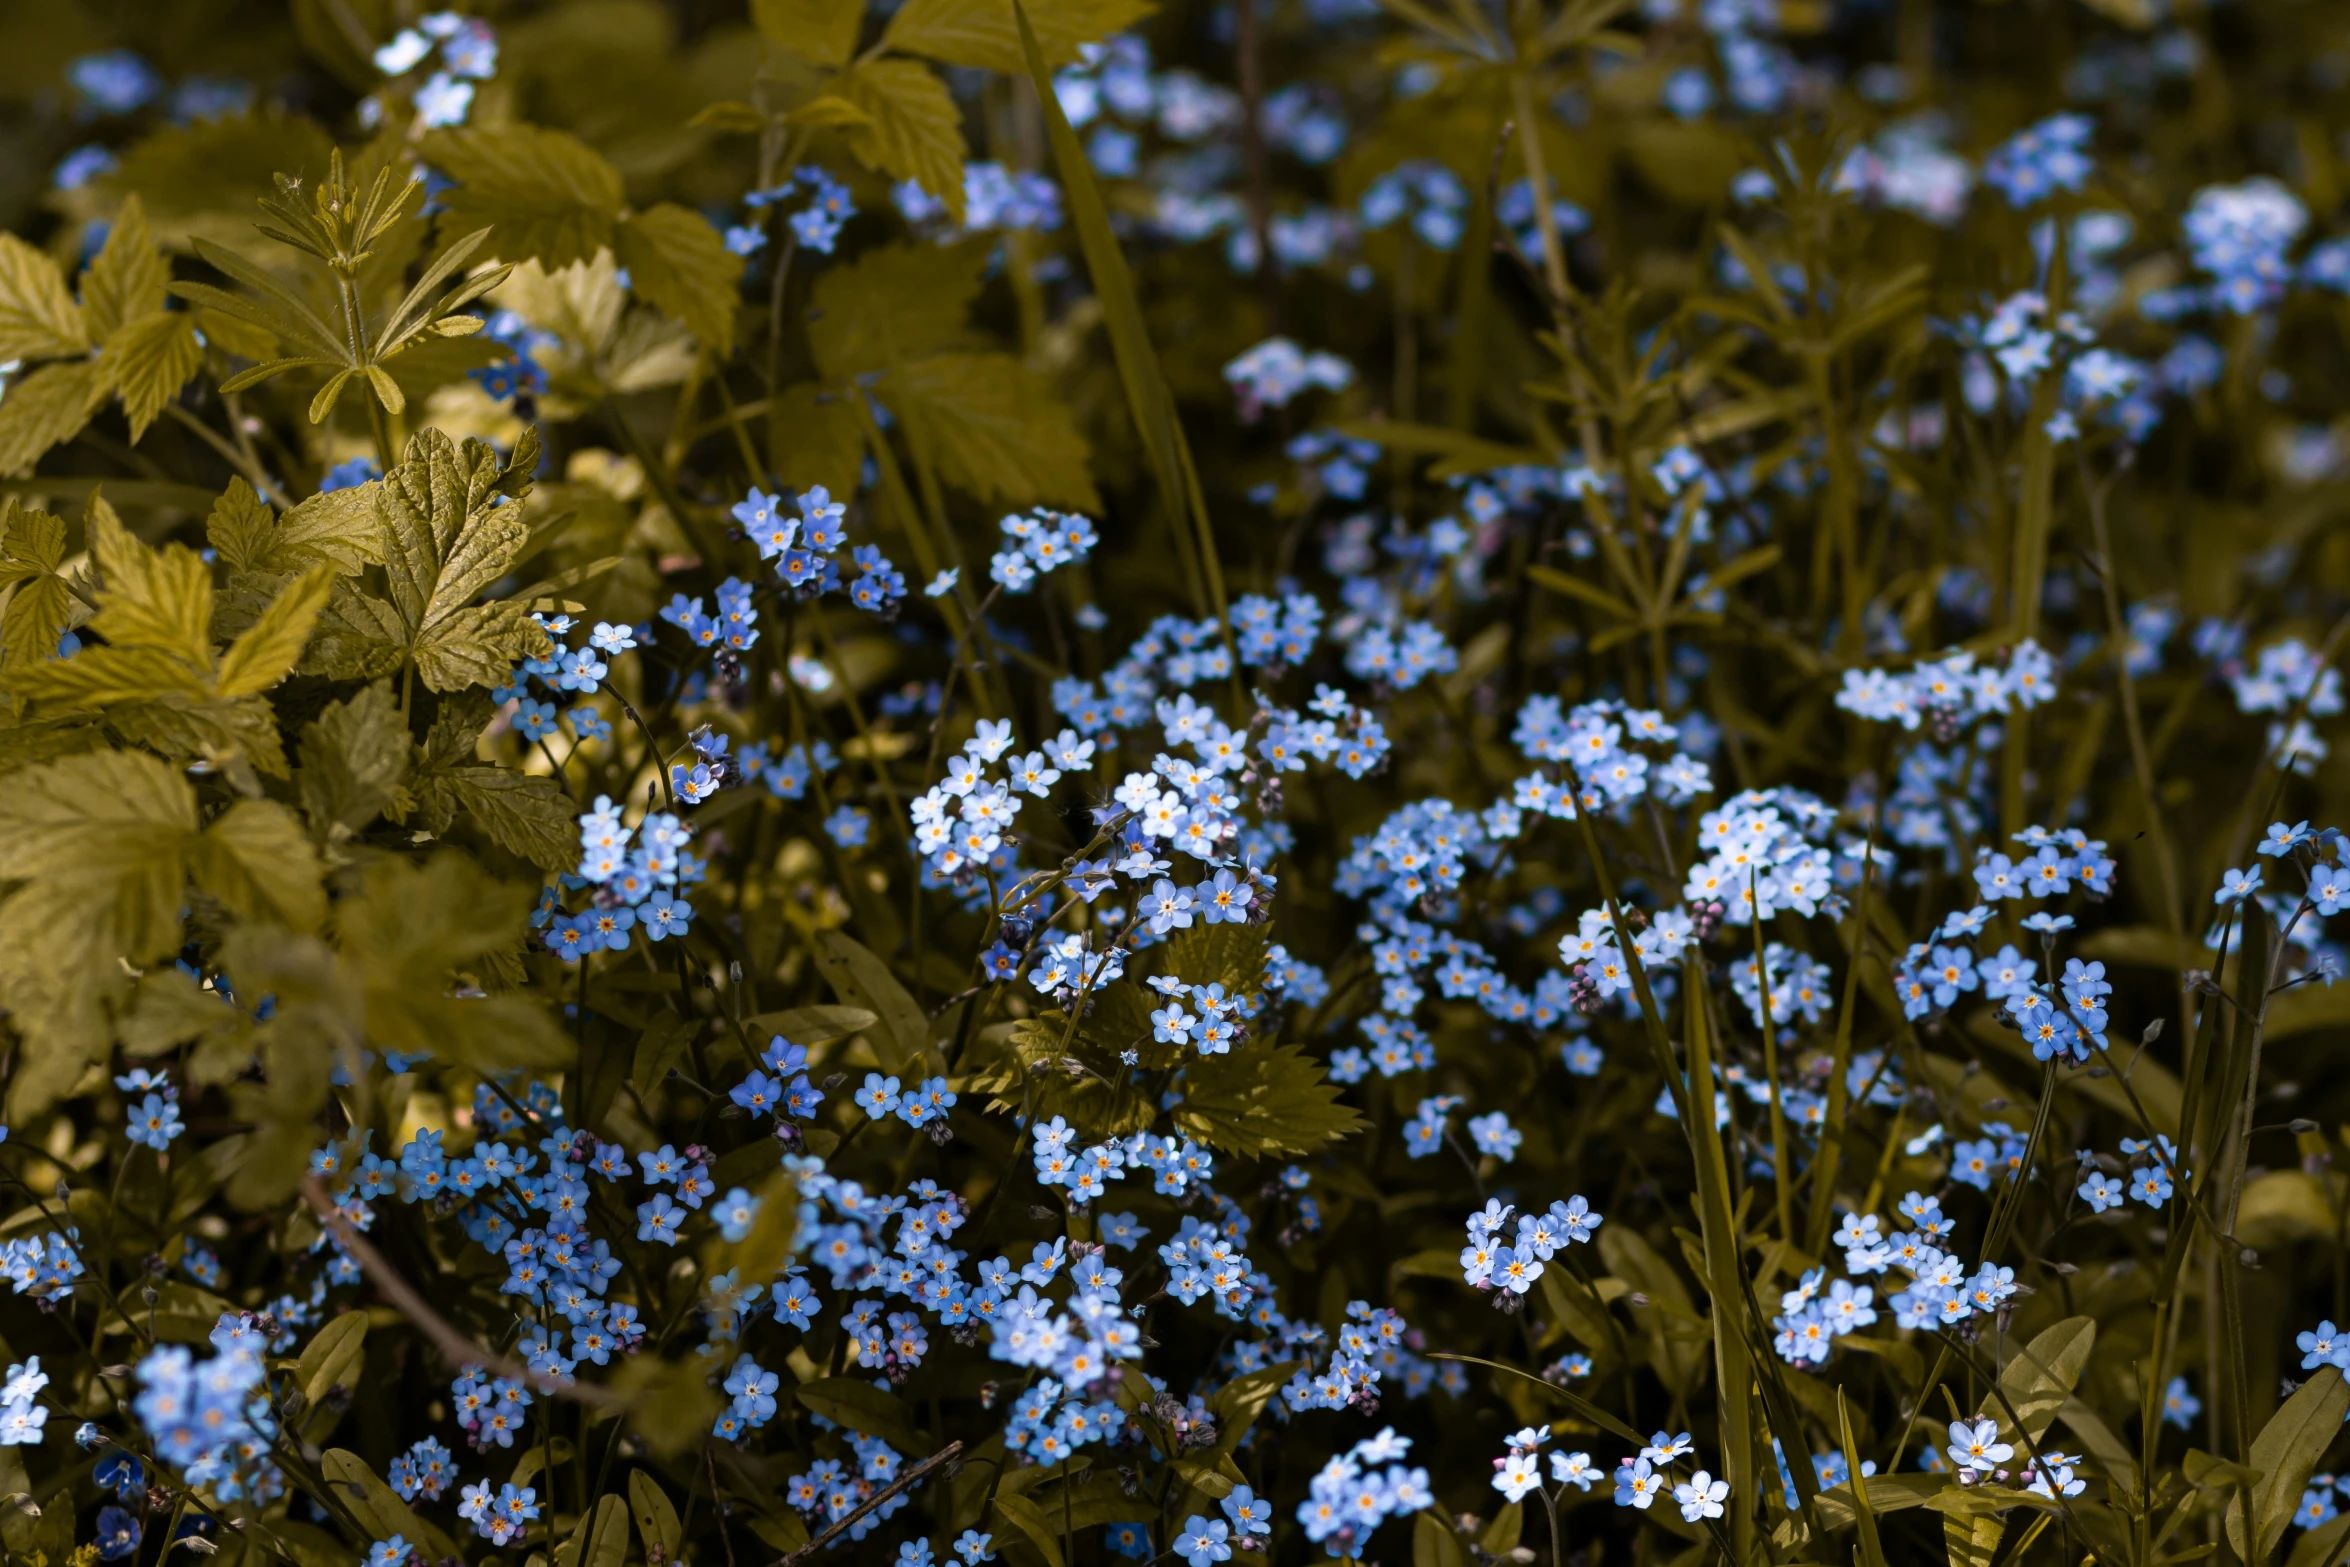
(760, 1255)
(863, 980)
(257, 860)
(2039, 1380)
(44, 408)
(38, 318)
(377, 1506)
(1434, 1544)
(997, 430)
(413, 933)
(891, 305)
(544, 195)
(451, 526)
(916, 131)
(678, 262)
(332, 1357)
(1502, 1534)
(99, 845)
(811, 1025)
(2285, 1453)
(821, 32)
(267, 651)
(863, 1407)
(606, 1534)
(341, 528)
(671, 1402)
(148, 361)
(1031, 1521)
(354, 760)
(1263, 1101)
(129, 276)
(32, 547)
(822, 439)
(656, 1519)
(982, 33)
(523, 813)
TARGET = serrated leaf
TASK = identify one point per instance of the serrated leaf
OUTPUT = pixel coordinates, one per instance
(269, 648)
(522, 813)
(32, 546)
(147, 361)
(129, 275)
(38, 318)
(115, 825)
(544, 195)
(1262, 1101)
(451, 524)
(821, 32)
(354, 760)
(258, 861)
(150, 598)
(995, 429)
(822, 440)
(893, 305)
(411, 931)
(916, 131)
(45, 407)
(677, 262)
(982, 33)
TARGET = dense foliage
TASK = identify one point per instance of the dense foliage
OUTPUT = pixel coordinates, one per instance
(966, 780)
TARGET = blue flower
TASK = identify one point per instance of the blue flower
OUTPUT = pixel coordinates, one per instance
(1203, 1541)
(2236, 886)
(154, 1122)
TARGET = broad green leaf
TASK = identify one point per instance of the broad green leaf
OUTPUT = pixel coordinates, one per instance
(861, 1406)
(822, 439)
(821, 32)
(916, 132)
(412, 932)
(354, 759)
(607, 1535)
(2285, 1453)
(1031, 1521)
(452, 524)
(38, 318)
(2040, 1378)
(128, 277)
(98, 844)
(1263, 1101)
(257, 859)
(332, 1357)
(1502, 1534)
(32, 547)
(376, 1505)
(114, 826)
(678, 262)
(810, 1025)
(523, 813)
(147, 361)
(545, 195)
(44, 408)
(1434, 1544)
(671, 1402)
(892, 305)
(995, 428)
(862, 980)
(267, 651)
(656, 1519)
(982, 33)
